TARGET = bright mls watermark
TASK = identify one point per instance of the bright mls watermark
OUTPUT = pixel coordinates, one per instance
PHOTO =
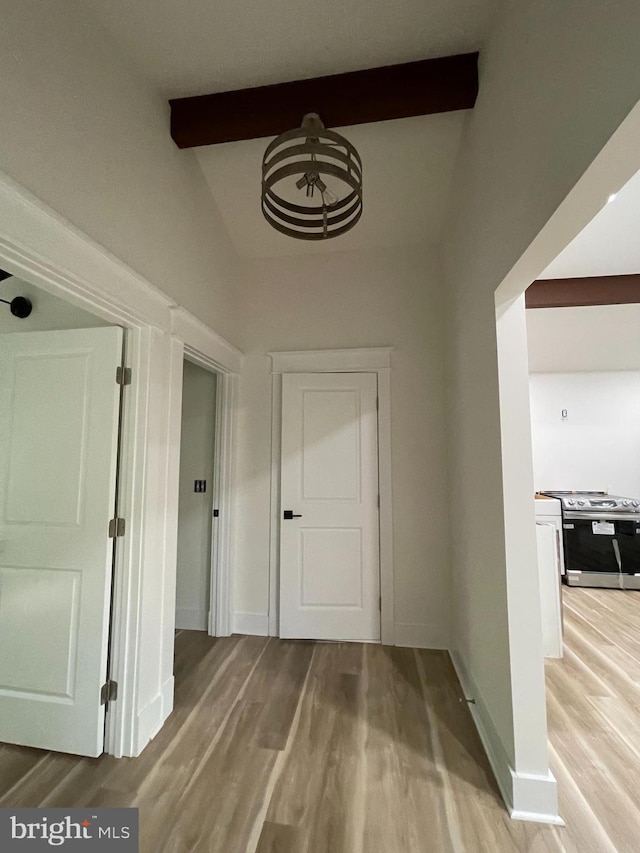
(26, 830)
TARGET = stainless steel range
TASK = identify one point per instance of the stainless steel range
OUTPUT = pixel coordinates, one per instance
(601, 535)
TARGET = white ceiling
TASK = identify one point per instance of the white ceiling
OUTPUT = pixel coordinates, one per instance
(198, 46)
(610, 244)
(191, 47)
(407, 170)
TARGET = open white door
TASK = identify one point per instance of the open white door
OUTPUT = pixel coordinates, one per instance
(329, 550)
(59, 405)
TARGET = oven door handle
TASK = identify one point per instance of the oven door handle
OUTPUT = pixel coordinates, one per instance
(616, 551)
(603, 516)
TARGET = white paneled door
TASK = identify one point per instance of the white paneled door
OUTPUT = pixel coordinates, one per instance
(329, 549)
(59, 406)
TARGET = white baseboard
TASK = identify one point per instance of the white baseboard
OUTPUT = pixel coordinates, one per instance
(420, 636)
(192, 619)
(256, 624)
(148, 723)
(535, 798)
(167, 693)
(526, 796)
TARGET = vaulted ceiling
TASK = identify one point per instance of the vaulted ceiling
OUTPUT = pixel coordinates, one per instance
(610, 244)
(200, 47)
(408, 166)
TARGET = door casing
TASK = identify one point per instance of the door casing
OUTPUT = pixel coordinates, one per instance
(369, 360)
(42, 247)
(219, 605)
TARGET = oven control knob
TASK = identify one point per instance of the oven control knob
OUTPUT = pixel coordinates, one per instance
(581, 503)
(635, 504)
(570, 502)
(626, 503)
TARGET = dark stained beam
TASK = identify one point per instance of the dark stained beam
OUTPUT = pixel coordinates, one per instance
(377, 94)
(574, 292)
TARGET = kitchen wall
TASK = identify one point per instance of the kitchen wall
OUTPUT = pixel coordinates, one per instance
(556, 81)
(589, 338)
(597, 445)
(195, 508)
(354, 299)
(585, 360)
(88, 137)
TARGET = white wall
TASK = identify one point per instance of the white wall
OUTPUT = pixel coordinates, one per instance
(597, 447)
(84, 134)
(195, 508)
(49, 312)
(88, 138)
(586, 360)
(354, 299)
(595, 337)
(556, 80)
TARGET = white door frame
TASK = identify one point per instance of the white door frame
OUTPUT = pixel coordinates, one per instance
(40, 246)
(219, 620)
(372, 360)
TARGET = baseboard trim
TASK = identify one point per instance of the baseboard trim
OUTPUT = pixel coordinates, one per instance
(536, 817)
(167, 693)
(535, 798)
(192, 619)
(415, 636)
(527, 797)
(256, 624)
(148, 723)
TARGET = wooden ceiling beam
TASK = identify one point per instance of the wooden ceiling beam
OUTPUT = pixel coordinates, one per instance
(376, 94)
(579, 292)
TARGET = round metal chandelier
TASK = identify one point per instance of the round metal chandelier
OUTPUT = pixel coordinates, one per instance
(301, 160)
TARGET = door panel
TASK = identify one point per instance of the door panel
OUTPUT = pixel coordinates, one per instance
(331, 570)
(330, 448)
(329, 558)
(58, 452)
(59, 405)
(47, 600)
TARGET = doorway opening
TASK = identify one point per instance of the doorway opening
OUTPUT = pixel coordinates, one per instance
(365, 590)
(205, 506)
(198, 507)
(568, 422)
(41, 248)
(61, 372)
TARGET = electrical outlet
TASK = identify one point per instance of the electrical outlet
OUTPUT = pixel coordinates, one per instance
(199, 486)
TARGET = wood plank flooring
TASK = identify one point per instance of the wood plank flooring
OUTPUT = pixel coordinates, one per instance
(298, 747)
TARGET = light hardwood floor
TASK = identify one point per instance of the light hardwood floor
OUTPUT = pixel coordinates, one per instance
(296, 747)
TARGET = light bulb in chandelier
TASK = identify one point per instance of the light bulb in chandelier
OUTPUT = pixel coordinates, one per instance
(312, 180)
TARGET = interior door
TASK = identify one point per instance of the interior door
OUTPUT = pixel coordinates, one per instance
(59, 407)
(329, 549)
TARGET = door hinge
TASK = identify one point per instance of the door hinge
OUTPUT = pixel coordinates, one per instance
(123, 375)
(377, 404)
(380, 604)
(216, 513)
(378, 501)
(108, 692)
(116, 527)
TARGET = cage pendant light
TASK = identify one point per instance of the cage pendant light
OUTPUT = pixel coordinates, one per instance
(311, 182)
